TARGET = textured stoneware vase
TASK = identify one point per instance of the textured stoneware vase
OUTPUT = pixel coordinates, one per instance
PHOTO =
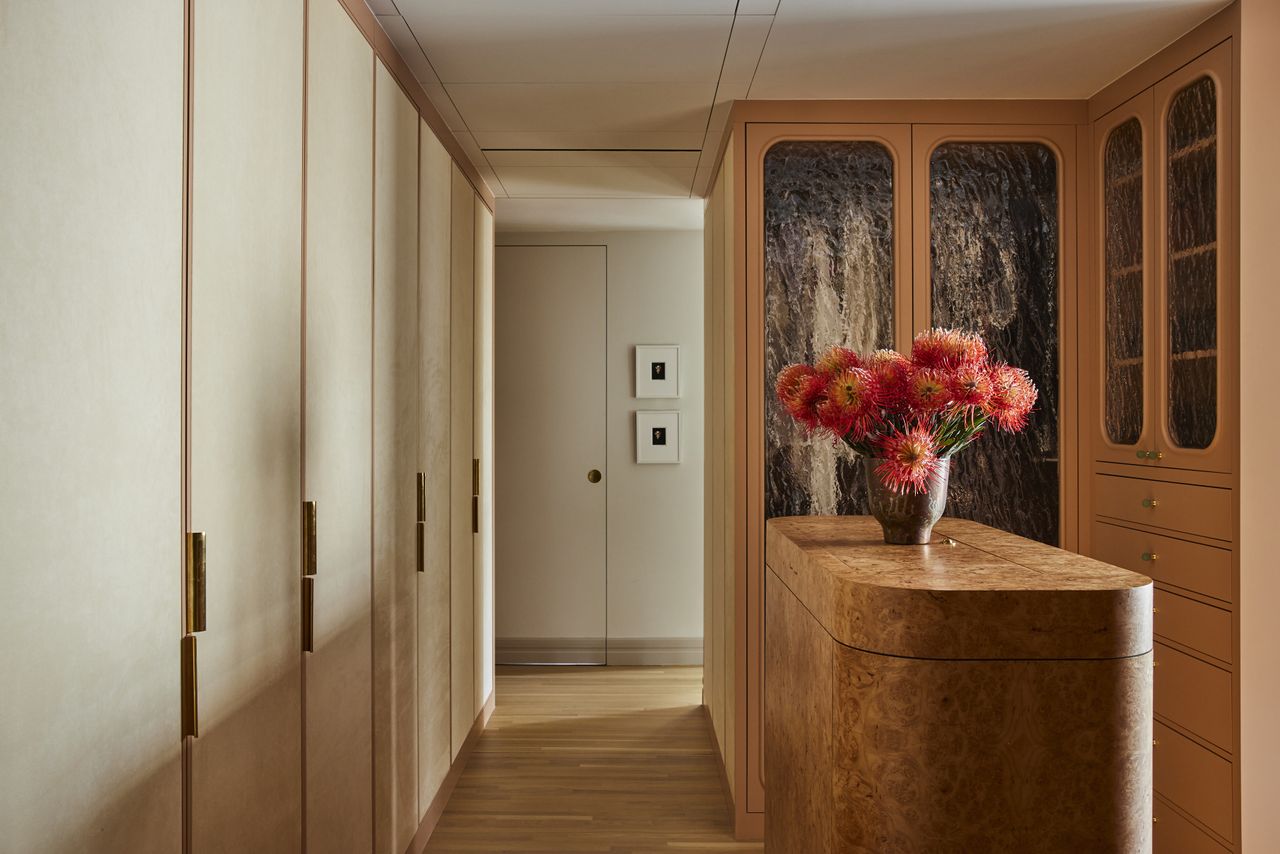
(907, 517)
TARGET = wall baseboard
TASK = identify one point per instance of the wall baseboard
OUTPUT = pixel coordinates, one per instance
(432, 817)
(619, 652)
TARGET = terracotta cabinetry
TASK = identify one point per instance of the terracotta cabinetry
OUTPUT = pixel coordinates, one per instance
(1160, 384)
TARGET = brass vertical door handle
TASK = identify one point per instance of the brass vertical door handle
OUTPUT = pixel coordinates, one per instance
(422, 497)
(422, 546)
(196, 617)
(190, 704)
(309, 614)
(308, 538)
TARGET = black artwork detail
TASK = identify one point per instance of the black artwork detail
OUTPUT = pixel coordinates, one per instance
(659, 435)
(994, 247)
(658, 370)
(828, 267)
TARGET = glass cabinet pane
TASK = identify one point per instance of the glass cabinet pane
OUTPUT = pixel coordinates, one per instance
(828, 277)
(1192, 264)
(994, 248)
(1123, 292)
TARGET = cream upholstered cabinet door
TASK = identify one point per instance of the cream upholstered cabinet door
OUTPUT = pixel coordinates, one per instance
(338, 429)
(435, 710)
(484, 447)
(461, 455)
(245, 317)
(90, 379)
(550, 394)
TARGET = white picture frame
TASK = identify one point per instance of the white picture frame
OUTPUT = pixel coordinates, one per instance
(657, 371)
(657, 437)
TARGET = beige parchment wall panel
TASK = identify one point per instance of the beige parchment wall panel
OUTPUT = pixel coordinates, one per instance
(246, 419)
(338, 428)
(90, 332)
(483, 433)
(435, 188)
(395, 460)
(462, 545)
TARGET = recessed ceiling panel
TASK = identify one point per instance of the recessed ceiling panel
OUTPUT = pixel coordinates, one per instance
(623, 140)
(569, 182)
(978, 49)
(615, 159)
(503, 8)
(596, 107)
(525, 48)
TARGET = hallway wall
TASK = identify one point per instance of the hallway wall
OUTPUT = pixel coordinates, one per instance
(291, 304)
(654, 528)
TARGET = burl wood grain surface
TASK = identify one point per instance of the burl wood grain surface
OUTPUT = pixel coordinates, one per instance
(875, 753)
(989, 595)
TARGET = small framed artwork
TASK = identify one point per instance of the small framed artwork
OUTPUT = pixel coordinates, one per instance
(657, 437)
(657, 371)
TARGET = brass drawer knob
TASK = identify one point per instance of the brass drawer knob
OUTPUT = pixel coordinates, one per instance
(1151, 455)
(1153, 503)
(1150, 557)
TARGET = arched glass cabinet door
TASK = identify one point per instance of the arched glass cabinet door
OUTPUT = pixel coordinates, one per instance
(1196, 264)
(1123, 383)
(995, 267)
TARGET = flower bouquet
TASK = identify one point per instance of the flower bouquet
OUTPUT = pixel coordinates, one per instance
(906, 417)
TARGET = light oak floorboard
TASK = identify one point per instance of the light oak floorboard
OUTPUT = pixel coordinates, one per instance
(592, 759)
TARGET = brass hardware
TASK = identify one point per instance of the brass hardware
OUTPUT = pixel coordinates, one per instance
(1155, 662)
(1153, 503)
(309, 613)
(422, 546)
(195, 582)
(1155, 742)
(475, 477)
(1155, 455)
(1150, 557)
(308, 538)
(422, 497)
(593, 476)
(1155, 610)
(190, 704)
(1155, 819)
(475, 514)
(951, 542)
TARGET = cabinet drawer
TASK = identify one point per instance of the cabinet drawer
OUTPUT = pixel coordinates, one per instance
(1201, 627)
(1195, 778)
(1192, 566)
(1203, 510)
(1173, 834)
(1194, 695)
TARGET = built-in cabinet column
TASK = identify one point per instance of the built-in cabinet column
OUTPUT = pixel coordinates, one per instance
(91, 382)
(483, 440)
(396, 429)
(245, 421)
(338, 424)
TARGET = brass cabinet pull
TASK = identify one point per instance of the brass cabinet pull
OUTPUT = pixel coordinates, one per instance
(422, 497)
(1151, 455)
(1153, 503)
(1150, 557)
(422, 546)
(196, 603)
(475, 514)
(593, 476)
(475, 477)
(309, 613)
(190, 701)
(308, 538)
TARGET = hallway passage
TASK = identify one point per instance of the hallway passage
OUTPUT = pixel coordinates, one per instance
(592, 759)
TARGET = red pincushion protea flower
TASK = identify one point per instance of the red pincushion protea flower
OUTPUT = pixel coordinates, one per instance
(909, 461)
(852, 402)
(970, 387)
(1013, 396)
(836, 361)
(800, 390)
(927, 391)
(892, 371)
(947, 348)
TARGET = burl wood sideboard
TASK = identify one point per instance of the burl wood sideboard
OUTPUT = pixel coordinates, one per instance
(984, 693)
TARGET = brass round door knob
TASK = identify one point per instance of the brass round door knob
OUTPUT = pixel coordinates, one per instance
(594, 475)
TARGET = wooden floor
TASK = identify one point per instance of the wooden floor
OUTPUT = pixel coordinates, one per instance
(615, 760)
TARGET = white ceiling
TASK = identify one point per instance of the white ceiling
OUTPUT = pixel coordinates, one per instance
(627, 99)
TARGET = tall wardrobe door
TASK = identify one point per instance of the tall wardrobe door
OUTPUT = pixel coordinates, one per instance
(484, 445)
(90, 379)
(993, 218)
(395, 458)
(835, 234)
(462, 549)
(339, 326)
(246, 420)
(435, 710)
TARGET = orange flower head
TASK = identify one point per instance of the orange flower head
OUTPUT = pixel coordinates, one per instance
(908, 461)
(852, 403)
(927, 391)
(948, 348)
(1013, 396)
(837, 360)
(970, 387)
